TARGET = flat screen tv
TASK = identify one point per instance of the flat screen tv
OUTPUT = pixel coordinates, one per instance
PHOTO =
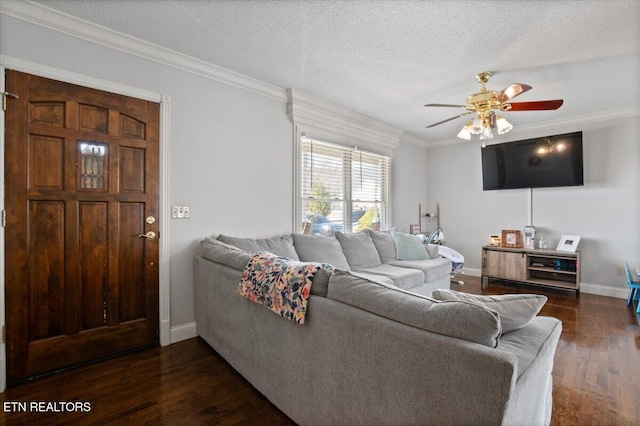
(533, 163)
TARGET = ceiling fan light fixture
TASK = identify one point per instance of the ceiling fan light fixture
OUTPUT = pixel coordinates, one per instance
(465, 132)
(485, 102)
(477, 126)
(503, 125)
(486, 133)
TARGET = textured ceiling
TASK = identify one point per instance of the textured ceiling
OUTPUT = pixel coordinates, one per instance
(386, 59)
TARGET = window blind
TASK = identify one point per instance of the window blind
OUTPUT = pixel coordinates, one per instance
(342, 188)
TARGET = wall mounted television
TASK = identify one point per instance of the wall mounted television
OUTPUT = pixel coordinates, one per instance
(542, 162)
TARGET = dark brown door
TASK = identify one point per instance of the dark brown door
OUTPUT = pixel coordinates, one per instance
(81, 186)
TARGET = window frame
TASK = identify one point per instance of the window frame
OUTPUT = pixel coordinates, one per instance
(348, 153)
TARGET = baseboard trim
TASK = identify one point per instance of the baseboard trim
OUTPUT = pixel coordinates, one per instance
(472, 271)
(603, 290)
(596, 289)
(183, 332)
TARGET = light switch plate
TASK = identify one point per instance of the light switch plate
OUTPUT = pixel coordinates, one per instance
(180, 212)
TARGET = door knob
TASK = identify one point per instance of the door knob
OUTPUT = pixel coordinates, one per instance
(149, 235)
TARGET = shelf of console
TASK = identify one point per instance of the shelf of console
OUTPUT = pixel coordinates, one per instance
(549, 268)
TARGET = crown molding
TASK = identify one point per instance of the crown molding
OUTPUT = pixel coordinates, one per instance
(581, 122)
(320, 117)
(88, 31)
(414, 140)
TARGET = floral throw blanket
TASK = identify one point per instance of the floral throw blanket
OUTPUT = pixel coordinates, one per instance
(279, 284)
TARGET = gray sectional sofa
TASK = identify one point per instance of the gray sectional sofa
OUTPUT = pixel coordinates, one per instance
(372, 351)
(370, 253)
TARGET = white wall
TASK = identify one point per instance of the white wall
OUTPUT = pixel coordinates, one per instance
(408, 186)
(605, 212)
(231, 152)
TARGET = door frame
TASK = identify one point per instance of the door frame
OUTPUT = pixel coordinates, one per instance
(16, 64)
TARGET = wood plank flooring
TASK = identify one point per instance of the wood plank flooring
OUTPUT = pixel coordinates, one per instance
(596, 377)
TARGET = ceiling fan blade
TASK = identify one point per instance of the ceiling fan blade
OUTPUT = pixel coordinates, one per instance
(512, 91)
(533, 106)
(445, 105)
(449, 119)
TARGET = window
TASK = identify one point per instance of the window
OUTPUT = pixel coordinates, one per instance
(342, 189)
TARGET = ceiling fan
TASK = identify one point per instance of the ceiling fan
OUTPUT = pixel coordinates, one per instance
(486, 101)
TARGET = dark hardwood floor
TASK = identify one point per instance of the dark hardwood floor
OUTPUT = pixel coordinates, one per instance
(596, 377)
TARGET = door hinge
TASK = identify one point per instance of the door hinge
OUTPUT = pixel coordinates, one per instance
(4, 218)
(6, 95)
(4, 334)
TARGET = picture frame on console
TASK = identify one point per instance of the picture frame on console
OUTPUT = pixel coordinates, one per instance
(511, 238)
(568, 243)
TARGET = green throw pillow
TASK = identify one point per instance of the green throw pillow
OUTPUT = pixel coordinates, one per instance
(409, 247)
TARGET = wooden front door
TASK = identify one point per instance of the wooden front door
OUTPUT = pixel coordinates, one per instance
(81, 187)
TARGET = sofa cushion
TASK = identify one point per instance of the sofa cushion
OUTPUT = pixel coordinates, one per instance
(359, 250)
(232, 256)
(515, 310)
(373, 277)
(384, 244)
(224, 253)
(320, 248)
(404, 278)
(281, 245)
(409, 247)
(526, 342)
(462, 320)
(432, 268)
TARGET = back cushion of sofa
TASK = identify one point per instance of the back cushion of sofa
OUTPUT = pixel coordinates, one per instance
(359, 250)
(230, 255)
(226, 254)
(320, 248)
(461, 320)
(384, 244)
(281, 245)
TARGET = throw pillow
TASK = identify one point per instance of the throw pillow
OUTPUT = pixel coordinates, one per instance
(515, 310)
(409, 247)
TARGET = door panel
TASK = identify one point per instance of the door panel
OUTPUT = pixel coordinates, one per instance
(46, 267)
(131, 267)
(81, 174)
(132, 164)
(94, 245)
(46, 161)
